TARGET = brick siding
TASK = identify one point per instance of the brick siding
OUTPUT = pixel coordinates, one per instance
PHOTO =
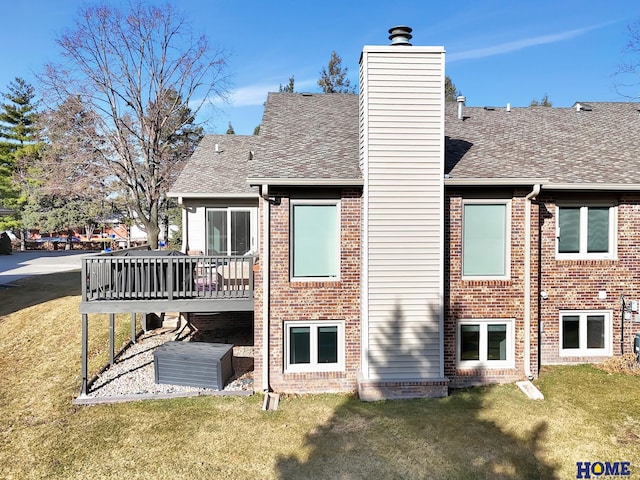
(575, 284)
(570, 285)
(483, 299)
(291, 301)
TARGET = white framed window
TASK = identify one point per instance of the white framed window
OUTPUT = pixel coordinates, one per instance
(585, 333)
(314, 346)
(231, 231)
(586, 232)
(315, 240)
(486, 239)
(485, 343)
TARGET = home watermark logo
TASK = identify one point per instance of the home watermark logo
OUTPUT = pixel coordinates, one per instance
(603, 469)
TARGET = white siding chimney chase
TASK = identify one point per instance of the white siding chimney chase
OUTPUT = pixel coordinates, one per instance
(402, 161)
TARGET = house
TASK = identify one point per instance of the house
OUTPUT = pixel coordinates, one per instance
(401, 246)
(341, 178)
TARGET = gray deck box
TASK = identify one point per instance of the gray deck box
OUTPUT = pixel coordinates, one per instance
(194, 364)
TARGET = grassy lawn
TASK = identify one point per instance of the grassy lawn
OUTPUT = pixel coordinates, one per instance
(491, 432)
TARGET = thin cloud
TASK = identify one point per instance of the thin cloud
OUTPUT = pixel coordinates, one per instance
(519, 44)
(256, 95)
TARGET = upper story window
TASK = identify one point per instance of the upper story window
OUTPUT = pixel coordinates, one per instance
(486, 239)
(315, 239)
(586, 232)
(231, 231)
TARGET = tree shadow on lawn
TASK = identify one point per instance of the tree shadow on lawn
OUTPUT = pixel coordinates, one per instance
(38, 289)
(424, 438)
(427, 438)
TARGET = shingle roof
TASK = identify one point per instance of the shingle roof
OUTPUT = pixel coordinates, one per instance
(223, 173)
(308, 136)
(316, 137)
(563, 145)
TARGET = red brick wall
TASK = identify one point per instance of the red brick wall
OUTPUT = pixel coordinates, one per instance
(482, 299)
(338, 300)
(575, 284)
(570, 284)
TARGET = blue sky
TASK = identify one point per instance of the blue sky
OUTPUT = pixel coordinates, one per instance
(498, 52)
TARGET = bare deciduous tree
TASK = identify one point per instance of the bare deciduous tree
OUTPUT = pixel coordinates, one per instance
(143, 77)
(628, 74)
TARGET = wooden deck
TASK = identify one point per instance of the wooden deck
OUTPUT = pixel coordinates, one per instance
(146, 281)
(152, 281)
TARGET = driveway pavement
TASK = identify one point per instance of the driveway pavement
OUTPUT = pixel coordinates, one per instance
(37, 262)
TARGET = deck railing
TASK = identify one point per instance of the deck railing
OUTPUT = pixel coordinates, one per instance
(150, 275)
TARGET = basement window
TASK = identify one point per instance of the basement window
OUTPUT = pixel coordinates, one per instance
(316, 346)
(485, 343)
(585, 333)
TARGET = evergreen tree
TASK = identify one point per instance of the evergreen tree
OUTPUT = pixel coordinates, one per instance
(289, 88)
(451, 93)
(70, 176)
(333, 78)
(18, 145)
(230, 130)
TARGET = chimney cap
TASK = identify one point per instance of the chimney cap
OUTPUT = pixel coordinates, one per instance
(400, 35)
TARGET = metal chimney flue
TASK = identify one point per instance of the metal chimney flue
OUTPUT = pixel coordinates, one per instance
(400, 35)
(460, 99)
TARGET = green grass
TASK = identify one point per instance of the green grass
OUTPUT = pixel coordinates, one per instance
(490, 432)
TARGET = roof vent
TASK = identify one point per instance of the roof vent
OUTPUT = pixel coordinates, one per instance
(460, 99)
(400, 35)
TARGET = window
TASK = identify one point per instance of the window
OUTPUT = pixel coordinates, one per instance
(314, 346)
(485, 239)
(585, 333)
(485, 343)
(586, 232)
(315, 239)
(230, 231)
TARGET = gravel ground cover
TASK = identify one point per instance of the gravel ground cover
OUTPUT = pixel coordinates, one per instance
(133, 371)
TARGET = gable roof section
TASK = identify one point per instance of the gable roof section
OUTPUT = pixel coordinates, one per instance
(308, 139)
(566, 146)
(217, 174)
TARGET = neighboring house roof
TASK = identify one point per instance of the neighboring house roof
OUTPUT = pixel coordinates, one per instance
(595, 144)
(308, 138)
(217, 173)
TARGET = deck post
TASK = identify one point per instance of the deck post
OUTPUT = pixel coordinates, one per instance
(85, 348)
(112, 339)
(133, 327)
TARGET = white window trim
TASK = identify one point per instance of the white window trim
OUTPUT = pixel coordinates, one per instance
(295, 202)
(583, 351)
(253, 225)
(507, 253)
(612, 254)
(314, 366)
(483, 362)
